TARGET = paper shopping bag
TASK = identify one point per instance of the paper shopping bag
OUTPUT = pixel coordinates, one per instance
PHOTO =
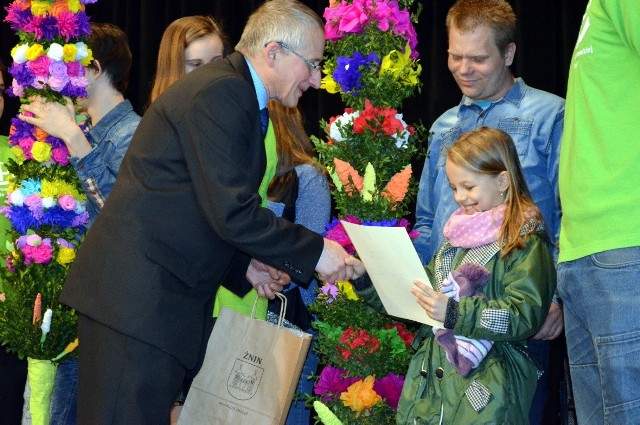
(249, 375)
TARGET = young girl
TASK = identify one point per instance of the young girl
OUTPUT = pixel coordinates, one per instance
(497, 228)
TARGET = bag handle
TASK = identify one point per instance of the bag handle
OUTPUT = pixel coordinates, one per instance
(283, 307)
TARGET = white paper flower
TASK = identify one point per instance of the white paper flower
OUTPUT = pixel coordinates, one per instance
(55, 52)
(17, 198)
(340, 122)
(19, 53)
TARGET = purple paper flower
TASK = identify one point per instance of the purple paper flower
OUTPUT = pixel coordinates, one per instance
(18, 18)
(34, 202)
(332, 382)
(390, 388)
(75, 69)
(49, 28)
(331, 291)
(63, 243)
(22, 74)
(19, 130)
(83, 25)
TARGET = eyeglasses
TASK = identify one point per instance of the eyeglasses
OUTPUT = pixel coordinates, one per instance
(313, 67)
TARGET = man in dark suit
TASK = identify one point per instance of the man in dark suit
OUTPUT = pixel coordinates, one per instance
(184, 215)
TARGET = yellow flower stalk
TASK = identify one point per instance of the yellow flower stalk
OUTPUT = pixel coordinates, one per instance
(325, 414)
(68, 349)
(369, 183)
(334, 177)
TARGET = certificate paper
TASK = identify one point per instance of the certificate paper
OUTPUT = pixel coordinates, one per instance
(392, 264)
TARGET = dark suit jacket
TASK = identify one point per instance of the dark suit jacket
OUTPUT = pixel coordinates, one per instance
(183, 214)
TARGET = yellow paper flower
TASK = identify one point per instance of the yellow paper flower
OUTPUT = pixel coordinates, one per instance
(66, 256)
(41, 151)
(74, 5)
(18, 153)
(35, 51)
(360, 395)
(55, 188)
(400, 66)
(87, 60)
(329, 84)
(39, 8)
(346, 288)
(69, 52)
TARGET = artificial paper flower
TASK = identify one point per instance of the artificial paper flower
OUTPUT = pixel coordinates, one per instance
(332, 382)
(346, 288)
(390, 388)
(360, 395)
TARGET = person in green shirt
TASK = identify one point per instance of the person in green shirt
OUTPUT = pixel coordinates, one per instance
(599, 258)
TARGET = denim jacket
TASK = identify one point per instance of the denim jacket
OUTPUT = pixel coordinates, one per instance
(110, 139)
(533, 118)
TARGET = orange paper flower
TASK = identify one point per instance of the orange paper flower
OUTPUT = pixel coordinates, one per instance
(348, 176)
(397, 187)
(360, 395)
(37, 309)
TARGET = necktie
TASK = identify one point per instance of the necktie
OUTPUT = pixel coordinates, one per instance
(264, 119)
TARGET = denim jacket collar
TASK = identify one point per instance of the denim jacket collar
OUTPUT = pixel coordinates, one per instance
(513, 96)
(96, 133)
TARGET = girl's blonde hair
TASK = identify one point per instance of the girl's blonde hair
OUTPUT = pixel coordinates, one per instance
(491, 151)
(293, 144)
(178, 35)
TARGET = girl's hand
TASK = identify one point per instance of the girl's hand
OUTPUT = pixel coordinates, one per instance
(434, 302)
(358, 267)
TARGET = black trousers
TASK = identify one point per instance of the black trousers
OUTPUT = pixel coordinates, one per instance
(13, 376)
(123, 381)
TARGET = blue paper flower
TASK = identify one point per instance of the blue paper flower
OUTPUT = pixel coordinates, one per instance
(348, 70)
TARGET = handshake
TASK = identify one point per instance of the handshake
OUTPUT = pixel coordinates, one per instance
(334, 264)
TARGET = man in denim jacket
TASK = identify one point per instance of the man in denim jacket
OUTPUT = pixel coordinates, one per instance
(95, 154)
(481, 49)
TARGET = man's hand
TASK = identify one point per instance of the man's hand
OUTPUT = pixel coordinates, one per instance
(553, 325)
(332, 265)
(265, 279)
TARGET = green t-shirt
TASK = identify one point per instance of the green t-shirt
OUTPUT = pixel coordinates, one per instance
(5, 224)
(600, 153)
(224, 297)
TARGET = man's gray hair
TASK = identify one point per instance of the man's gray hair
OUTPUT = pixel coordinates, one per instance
(288, 21)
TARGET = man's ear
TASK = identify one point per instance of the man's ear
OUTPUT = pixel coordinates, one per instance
(509, 54)
(270, 51)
